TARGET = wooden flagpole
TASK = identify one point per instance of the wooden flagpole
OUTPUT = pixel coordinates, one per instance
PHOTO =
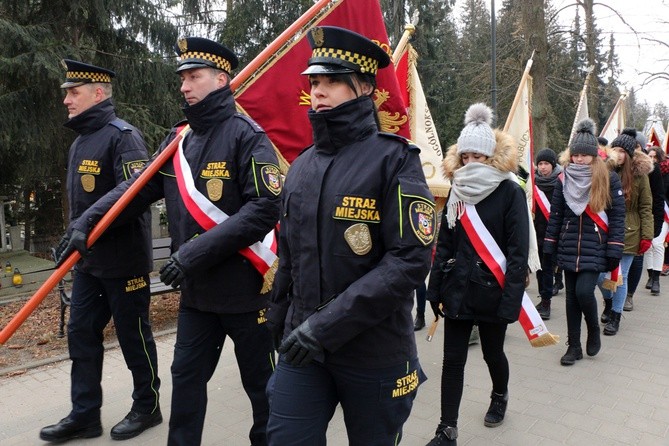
(519, 92)
(273, 47)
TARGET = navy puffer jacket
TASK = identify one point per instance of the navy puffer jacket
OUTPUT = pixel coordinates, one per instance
(581, 245)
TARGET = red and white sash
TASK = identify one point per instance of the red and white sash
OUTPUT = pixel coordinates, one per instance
(543, 202)
(614, 278)
(493, 257)
(262, 255)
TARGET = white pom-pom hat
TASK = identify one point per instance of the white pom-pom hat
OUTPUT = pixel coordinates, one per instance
(477, 136)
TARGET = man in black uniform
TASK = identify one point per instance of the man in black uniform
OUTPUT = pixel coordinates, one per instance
(112, 280)
(222, 192)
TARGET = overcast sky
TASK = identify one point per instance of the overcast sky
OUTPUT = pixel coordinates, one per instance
(636, 54)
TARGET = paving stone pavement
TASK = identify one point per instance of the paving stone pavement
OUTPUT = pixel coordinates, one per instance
(619, 397)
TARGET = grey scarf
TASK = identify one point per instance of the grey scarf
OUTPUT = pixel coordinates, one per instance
(470, 185)
(577, 184)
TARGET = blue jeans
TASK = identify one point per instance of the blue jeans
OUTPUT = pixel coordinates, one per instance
(375, 402)
(621, 292)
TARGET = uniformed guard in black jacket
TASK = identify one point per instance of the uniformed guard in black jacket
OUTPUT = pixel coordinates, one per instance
(113, 279)
(225, 172)
(358, 221)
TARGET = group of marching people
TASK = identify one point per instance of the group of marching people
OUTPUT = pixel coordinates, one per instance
(599, 217)
(357, 224)
(601, 225)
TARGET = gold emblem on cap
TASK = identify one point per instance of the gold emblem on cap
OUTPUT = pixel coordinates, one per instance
(182, 44)
(359, 238)
(88, 182)
(215, 189)
(318, 35)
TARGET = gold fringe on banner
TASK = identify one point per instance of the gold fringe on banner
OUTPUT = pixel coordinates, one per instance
(545, 340)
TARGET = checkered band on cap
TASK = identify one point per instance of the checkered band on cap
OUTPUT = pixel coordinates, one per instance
(87, 76)
(367, 64)
(220, 62)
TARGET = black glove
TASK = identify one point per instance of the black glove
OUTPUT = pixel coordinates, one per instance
(612, 263)
(70, 243)
(301, 346)
(436, 310)
(172, 273)
(548, 261)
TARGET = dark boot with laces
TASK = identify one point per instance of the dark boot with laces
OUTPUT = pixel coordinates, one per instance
(574, 353)
(445, 436)
(497, 409)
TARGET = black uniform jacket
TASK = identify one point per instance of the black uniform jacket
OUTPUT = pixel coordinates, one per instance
(356, 230)
(233, 164)
(106, 153)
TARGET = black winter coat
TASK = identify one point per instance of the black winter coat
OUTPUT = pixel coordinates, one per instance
(461, 281)
(581, 245)
(107, 152)
(227, 146)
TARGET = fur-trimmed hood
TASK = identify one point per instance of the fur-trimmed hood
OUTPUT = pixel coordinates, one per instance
(505, 157)
(642, 164)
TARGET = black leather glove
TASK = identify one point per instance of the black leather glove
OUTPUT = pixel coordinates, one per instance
(301, 346)
(172, 273)
(436, 310)
(70, 243)
(612, 263)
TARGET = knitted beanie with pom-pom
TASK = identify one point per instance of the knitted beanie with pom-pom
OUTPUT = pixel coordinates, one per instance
(477, 136)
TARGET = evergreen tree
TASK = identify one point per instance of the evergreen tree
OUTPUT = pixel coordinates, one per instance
(131, 37)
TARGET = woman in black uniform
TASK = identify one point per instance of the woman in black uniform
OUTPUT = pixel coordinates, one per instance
(358, 221)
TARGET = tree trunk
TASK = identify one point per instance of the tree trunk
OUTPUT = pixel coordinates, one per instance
(534, 24)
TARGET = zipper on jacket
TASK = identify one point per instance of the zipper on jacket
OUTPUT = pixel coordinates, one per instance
(578, 245)
(599, 234)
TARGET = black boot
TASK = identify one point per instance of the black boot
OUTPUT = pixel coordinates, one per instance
(544, 309)
(419, 323)
(606, 314)
(574, 352)
(650, 278)
(612, 327)
(69, 429)
(445, 436)
(134, 424)
(655, 286)
(495, 415)
(594, 343)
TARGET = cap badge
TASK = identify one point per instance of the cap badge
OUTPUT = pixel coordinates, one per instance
(318, 35)
(183, 45)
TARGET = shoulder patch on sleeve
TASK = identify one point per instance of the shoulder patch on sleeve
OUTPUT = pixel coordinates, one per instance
(121, 125)
(410, 144)
(254, 125)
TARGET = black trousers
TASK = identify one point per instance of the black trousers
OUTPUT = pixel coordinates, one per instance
(94, 302)
(580, 300)
(545, 276)
(200, 338)
(456, 346)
